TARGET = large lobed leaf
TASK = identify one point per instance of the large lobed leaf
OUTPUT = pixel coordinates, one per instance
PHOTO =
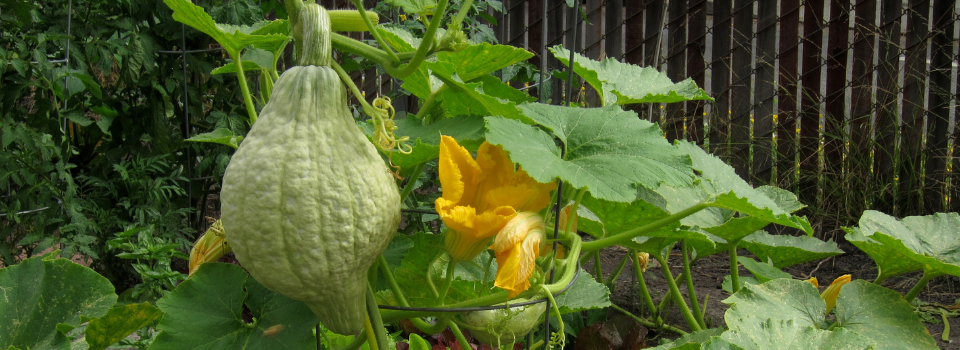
(207, 312)
(624, 83)
(43, 298)
(785, 250)
(232, 38)
(877, 314)
(584, 294)
(930, 242)
(609, 151)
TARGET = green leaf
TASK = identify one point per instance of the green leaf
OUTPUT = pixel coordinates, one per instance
(206, 312)
(786, 250)
(727, 284)
(399, 37)
(762, 271)
(778, 299)
(609, 150)
(585, 294)
(877, 314)
(90, 83)
(882, 315)
(232, 38)
(422, 267)
(478, 60)
(417, 343)
(119, 322)
(729, 191)
(624, 83)
(232, 67)
(789, 334)
(469, 98)
(39, 297)
(467, 130)
(415, 6)
(931, 241)
(222, 136)
(613, 218)
(691, 338)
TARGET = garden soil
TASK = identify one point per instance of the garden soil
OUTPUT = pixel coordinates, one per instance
(709, 273)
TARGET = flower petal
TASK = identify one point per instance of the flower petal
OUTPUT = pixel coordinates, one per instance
(459, 173)
(833, 291)
(516, 230)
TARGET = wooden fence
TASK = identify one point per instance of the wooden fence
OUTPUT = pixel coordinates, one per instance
(850, 104)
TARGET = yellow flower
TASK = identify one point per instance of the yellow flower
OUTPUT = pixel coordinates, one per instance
(480, 195)
(814, 281)
(833, 291)
(209, 247)
(517, 247)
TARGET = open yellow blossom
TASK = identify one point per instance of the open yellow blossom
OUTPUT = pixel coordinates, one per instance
(833, 291)
(480, 195)
(517, 247)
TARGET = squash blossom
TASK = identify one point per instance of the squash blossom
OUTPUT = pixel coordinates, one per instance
(210, 247)
(517, 247)
(480, 195)
(833, 291)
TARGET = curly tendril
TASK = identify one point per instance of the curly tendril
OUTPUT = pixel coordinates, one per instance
(384, 127)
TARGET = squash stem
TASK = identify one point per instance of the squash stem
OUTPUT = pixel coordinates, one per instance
(411, 182)
(373, 30)
(451, 268)
(464, 344)
(247, 98)
(391, 281)
(691, 321)
(612, 279)
(734, 268)
(691, 291)
(629, 235)
(643, 287)
(428, 105)
(357, 47)
(371, 338)
(375, 322)
(425, 46)
(922, 283)
(647, 323)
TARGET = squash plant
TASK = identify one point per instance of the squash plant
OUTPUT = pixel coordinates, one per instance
(311, 207)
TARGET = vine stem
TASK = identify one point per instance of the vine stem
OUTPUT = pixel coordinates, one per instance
(425, 46)
(247, 98)
(371, 337)
(734, 268)
(691, 321)
(398, 293)
(629, 235)
(428, 105)
(373, 30)
(691, 292)
(643, 287)
(647, 323)
(375, 321)
(464, 344)
(922, 283)
(451, 268)
(408, 188)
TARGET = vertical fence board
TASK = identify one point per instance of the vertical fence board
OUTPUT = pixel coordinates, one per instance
(740, 95)
(720, 76)
(535, 37)
(555, 34)
(633, 22)
(653, 14)
(835, 134)
(888, 88)
(613, 30)
(913, 114)
(859, 151)
(811, 97)
(789, 52)
(593, 43)
(696, 64)
(941, 62)
(673, 123)
(765, 117)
